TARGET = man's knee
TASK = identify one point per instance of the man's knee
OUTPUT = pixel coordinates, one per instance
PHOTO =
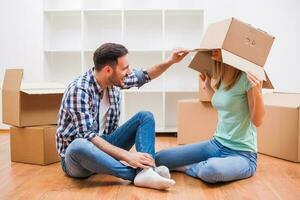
(146, 115)
(78, 147)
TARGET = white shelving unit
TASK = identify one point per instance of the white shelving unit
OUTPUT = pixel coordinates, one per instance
(73, 29)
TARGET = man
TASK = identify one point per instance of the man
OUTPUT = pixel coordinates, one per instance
(89, 140)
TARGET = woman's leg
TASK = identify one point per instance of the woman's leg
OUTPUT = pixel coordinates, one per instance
(187, 154)
(222, 169)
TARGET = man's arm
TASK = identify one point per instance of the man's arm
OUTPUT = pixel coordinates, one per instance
(134, 159)
(157, 70)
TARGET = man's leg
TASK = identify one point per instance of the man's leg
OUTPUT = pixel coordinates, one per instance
(138, 130)
(83, 159)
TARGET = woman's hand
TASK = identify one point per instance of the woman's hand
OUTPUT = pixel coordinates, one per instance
(206, 85)
(255, 82)
(205, 80)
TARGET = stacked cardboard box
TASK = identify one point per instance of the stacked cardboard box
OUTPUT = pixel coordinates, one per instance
(242, 46)
(32, 110)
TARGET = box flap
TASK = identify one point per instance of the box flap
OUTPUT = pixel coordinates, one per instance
(11, 96)
(42, 88)
(203, 63)
(243, 64)
(282, 99)
(12, 79)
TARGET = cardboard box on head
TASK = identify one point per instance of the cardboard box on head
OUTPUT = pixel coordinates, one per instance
(242, 46)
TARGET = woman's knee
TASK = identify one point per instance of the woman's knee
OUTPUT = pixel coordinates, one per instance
(211, 173)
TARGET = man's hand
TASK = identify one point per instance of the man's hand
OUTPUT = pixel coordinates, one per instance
(138, 159)
(178, 55)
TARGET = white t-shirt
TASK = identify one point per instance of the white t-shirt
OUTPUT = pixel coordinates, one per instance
(104, 106)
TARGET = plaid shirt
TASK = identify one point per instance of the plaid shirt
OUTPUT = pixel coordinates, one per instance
(79, 112)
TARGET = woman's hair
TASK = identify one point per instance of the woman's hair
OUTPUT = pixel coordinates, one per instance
(226, 74)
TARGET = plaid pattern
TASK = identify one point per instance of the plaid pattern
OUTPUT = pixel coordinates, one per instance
(79, 112)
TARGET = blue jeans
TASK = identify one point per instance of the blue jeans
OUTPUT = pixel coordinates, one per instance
(83, 159)
(210, 161)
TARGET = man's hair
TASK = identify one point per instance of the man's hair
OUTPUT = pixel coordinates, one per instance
(108, 54)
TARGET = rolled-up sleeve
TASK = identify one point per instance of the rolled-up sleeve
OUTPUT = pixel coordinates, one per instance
(137, 78)
(78, 106)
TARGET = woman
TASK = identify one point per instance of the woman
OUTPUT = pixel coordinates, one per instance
(232, 153)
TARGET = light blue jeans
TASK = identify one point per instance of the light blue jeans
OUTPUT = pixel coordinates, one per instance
(83, 159)
(210, 161)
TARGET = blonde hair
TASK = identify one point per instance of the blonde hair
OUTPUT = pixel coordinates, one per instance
(226, 74)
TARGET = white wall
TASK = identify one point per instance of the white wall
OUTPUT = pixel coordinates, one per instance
(21, 39)
(21, 35)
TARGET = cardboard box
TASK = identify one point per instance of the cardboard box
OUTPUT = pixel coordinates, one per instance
(34, 145)
(242, 46)
(279, 135)
(29, 104)
(197, 121)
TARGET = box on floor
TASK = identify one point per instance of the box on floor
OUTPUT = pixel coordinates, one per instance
(279, 135)
(29, 104)
(34, 145)
(196, 121)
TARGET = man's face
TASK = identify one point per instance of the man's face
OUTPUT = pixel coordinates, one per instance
(120, 72)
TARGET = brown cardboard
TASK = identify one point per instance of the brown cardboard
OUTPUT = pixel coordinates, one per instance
(196, 121)
(279, 135)
(33, 145)
(30, 104)
(242, 46)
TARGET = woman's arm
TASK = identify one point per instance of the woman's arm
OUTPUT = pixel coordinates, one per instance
(255, 100)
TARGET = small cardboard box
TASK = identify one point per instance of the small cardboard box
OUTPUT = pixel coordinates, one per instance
(33, 145)
(242, 46)
(197, 121)
(279, 135)
(30, 104)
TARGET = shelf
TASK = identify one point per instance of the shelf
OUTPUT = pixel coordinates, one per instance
(183, 28)
(62, 31)
(101, 27)
(143, 29)
(62, 67)
(180, 77)
(171, 100)
(150, 101)
(102, 5)
(62, 4)
(147, 60)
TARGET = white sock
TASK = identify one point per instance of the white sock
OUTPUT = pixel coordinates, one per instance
(163, 171)
(151, 179)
